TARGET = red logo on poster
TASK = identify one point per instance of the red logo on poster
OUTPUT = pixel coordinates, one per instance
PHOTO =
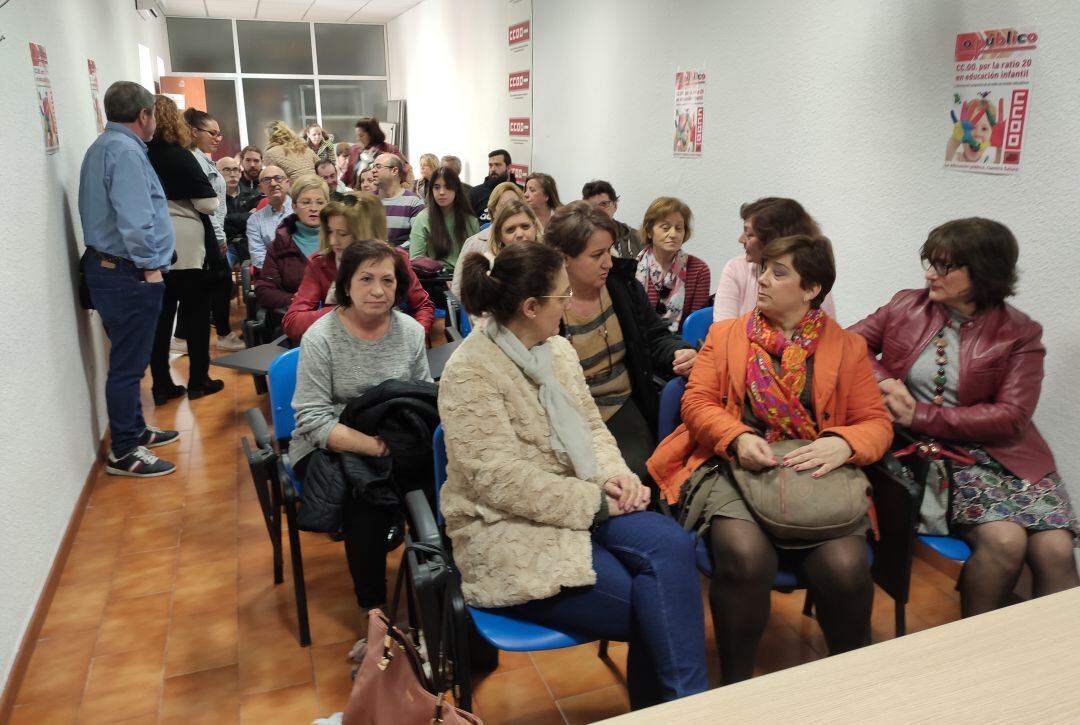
(519, 81)
(1014, 127)
(520, 33)
(520, 127)
(519, 172)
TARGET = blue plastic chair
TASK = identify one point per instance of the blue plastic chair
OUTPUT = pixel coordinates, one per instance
(464, 323)
(947, 546)
(501, 631)
(696, 326)
(276, 484)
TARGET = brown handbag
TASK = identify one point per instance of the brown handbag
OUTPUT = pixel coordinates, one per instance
(391, 686)
(794, 505)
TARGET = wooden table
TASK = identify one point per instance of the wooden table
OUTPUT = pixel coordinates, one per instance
(1020, 664)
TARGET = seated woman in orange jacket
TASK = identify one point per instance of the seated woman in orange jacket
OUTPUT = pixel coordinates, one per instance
(784, 371)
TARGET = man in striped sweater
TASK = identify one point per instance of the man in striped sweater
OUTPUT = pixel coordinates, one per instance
(402, 205)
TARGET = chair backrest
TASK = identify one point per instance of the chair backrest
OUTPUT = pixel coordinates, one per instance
(464, 323)
(282, 377)
(670, 406)
(696, 326)
(438, 444)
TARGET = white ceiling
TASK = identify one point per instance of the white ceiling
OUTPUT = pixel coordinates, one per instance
(319, 11)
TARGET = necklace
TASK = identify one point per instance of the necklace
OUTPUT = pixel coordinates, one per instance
(942, 360)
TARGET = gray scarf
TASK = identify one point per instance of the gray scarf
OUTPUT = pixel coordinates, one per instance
(570, 435)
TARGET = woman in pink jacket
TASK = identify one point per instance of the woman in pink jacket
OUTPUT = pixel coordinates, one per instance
(764, 220)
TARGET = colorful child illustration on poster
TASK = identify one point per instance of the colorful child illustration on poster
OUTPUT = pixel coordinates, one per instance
(46, 106)
(95, 95)
(689, 112)
(989, 103)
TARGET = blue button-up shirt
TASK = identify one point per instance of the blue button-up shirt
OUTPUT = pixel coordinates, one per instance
(121, 202)
(262, 227)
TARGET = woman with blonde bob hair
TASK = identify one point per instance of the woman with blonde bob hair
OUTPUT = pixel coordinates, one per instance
(677, 283)
(428, 164)
(502, 193)
(515, 221)
(291, 153)
(297, 238)
(356, 216)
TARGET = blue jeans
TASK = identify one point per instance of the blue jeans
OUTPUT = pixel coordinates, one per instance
(647, 593)
(129, 309)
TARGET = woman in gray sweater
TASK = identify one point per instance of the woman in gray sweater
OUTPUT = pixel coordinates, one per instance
(364, 342)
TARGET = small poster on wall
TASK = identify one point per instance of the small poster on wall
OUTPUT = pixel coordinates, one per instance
(95, 95)
(689, 112)
(988, 107)
(46, 105)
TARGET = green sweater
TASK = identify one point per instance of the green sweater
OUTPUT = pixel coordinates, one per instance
(421, 230)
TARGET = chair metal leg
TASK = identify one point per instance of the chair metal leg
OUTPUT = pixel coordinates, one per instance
(298, 575)
(603, 649)
(901, 619)
(274, 523)
(808, 604)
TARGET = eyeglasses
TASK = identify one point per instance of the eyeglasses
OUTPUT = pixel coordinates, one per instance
(941, 269)
(272, 179)
(213, 134)
(381, 166)
(569, 294)
(346, 199)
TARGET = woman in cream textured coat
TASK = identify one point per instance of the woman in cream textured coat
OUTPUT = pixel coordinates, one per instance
(547, 521)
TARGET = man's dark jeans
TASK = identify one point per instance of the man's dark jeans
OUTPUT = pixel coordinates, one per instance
(129, 309)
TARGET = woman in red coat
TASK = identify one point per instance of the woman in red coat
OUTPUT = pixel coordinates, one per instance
(297, 238)
(959, 366)
(355, 216)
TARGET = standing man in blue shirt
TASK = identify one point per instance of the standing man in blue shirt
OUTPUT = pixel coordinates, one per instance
(129, 244)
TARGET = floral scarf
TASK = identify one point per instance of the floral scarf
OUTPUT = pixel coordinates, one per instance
(670, 286)
(775, 396)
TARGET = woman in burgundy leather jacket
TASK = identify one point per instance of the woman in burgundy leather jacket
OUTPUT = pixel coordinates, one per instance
(961, 367)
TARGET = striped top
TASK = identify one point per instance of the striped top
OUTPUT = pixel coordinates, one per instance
(600, 347)
(400, 212)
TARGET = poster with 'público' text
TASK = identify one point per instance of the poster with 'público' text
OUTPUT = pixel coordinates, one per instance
(991, 96)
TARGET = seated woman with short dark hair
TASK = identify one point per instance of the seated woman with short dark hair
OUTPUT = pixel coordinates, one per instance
(785, 371)
(545, 517)
(963, 368)
(365, 341)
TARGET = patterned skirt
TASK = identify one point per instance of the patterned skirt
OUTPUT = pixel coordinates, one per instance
(986, 491)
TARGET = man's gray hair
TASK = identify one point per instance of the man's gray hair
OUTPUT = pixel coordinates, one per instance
(453, 162)
(125, 99)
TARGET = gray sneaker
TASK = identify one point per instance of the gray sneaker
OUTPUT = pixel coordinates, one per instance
(139, 463)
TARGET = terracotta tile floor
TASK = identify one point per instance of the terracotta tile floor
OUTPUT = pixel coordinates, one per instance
(167, 611)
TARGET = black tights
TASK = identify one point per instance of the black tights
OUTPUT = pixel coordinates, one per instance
(998, 552)
(744, 567)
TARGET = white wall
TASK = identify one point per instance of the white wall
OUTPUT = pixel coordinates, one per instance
(447, 61)
(52, 354)
(837, 103)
